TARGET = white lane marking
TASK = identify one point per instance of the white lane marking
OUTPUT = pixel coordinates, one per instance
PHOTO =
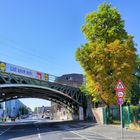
(79, 135)
(75, 133)
(5, 131)
(97, 136)
(96, 133)
(39, 136)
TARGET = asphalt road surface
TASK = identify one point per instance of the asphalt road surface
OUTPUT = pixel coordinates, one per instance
(39, 130)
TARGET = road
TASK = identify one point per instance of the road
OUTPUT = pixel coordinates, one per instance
(44, 130)
(40, 129)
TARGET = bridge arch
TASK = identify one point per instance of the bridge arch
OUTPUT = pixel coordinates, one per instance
(16, 86)
(11, 91)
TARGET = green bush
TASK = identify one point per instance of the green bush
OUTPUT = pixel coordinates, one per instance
(134, 114)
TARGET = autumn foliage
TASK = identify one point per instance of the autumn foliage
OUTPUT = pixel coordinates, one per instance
(109, 54)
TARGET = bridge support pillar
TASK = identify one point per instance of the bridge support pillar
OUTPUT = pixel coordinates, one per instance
(81, 113)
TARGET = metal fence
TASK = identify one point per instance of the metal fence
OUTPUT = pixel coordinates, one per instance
(131, 114)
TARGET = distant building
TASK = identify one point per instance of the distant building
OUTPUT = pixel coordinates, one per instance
(74, 79)
(43, 109)
(14, 108)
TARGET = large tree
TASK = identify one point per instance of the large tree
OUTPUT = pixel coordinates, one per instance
(108, 55)
(135, 91)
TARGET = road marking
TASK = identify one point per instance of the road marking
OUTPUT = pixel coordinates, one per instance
(95, 135)
(75, 133)
(79, 135)
(5, 130)
(72, 138)
(39, 136)
(105, 137)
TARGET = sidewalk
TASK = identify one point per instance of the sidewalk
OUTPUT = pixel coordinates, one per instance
(114, 132)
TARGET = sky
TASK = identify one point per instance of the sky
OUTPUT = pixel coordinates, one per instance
(43, 35)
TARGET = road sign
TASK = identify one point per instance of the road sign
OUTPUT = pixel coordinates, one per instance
(120, 94)
(120, 86)
(120, 101)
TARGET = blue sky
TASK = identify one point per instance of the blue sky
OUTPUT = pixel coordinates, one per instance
(44, 34)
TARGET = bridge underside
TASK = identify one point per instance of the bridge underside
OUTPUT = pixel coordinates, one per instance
(16, 86)
(9, 92)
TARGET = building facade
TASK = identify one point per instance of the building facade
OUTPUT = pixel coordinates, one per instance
(75, 80)
(12, 108)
